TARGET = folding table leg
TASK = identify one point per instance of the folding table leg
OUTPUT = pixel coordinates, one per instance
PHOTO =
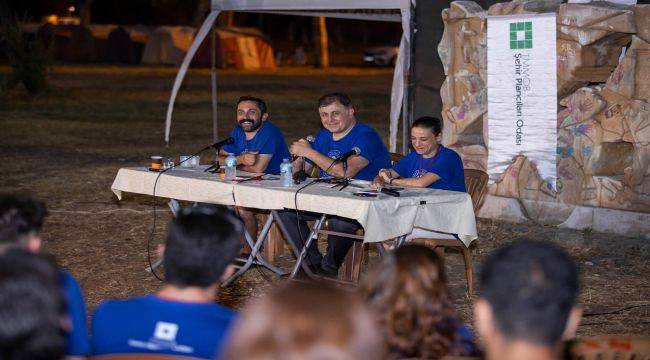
(303, 252)
(255, 254)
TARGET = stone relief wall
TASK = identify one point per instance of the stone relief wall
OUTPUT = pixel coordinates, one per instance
(603, 149)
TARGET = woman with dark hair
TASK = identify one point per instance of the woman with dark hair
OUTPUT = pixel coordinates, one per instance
(429, 164)
(408, 290)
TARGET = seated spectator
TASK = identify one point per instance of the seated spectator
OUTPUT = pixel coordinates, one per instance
(306, 321)
(528, 301)
(408, 290)
(181, 318)
(21, 220)
(32, 308)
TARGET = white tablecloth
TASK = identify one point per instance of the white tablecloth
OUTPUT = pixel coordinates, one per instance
(383, 217)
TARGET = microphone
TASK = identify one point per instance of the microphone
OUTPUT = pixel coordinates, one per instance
(355, 151)
(310, 139)
(219, 144)
(301, 175)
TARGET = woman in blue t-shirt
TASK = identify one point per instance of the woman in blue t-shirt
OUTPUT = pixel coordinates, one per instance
(429, 164)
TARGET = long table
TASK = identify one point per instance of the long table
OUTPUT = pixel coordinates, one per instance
(383, 217)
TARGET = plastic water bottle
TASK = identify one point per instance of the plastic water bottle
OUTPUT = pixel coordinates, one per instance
(286, 176)
(231, 167)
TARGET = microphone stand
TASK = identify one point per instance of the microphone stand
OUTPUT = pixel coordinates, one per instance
(214, 168)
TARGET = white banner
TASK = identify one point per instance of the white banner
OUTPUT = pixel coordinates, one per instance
(522, 92)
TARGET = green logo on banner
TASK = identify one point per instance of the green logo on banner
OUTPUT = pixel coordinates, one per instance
(521, 35)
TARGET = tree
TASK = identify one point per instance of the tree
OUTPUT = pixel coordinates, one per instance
(320, 37)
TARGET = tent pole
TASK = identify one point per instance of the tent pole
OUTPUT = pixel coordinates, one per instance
(407, 113)
(213, 82)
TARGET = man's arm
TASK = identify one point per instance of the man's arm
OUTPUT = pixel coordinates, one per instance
(355, 164)
(260, 164)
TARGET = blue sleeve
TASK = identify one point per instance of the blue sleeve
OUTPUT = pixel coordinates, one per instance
(369, 144)
(320, 142)
(402, 166)
(78, 343)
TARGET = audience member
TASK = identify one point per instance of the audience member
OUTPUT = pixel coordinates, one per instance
(181, 318)
(528, 301)
(21, 220)
(408, 291)
(32, 308)
(306, 321)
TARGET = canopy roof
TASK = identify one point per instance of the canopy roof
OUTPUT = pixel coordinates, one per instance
(379, 10)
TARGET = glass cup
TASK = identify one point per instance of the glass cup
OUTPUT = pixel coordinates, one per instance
(168, 163)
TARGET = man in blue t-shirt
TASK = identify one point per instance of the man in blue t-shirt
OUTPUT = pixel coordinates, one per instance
(342, 133)
(181, 318)
(259, 147)
(22, 220)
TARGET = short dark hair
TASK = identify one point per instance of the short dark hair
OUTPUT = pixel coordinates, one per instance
(532, 287)
(32, 307)
(19, 216)
(331, 98)
(428, 122)
(201, 242)
(260, 103)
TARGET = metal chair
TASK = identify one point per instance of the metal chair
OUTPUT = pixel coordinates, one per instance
(610, 347)
(476, 184)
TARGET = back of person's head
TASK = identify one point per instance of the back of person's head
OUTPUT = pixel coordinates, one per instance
(530, 288)
(428, 122)
(201, 242)
(32, 308)
(335, 97)
(21, 218)
(408, 291)
(306, 321)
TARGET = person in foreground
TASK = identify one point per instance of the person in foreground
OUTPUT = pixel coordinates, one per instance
(342, 133)
(528, 301)
(408, 290)
(429, 165)
(21, 221)
(306, 321)
(181, 318)
(258, 145)
(32, 308)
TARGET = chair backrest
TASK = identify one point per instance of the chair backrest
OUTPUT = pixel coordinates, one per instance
(606, 347)
(395, 157)
(476, 184)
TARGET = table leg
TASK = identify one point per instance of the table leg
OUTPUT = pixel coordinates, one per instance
(303, 252)
(255, 254)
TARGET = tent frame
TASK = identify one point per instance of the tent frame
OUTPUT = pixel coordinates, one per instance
(402, 76)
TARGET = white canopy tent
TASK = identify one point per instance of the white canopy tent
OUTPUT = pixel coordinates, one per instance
(348, 9)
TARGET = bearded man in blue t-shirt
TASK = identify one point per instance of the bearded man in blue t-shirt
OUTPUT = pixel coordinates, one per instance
(182, 318)
(342, 132)
(258, 145)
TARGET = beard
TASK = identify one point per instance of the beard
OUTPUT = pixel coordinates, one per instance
(250, 125)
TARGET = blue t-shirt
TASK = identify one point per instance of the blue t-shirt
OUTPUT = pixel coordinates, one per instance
(150, 324)
(361, 136)
(268, 140)
(447, 164)
(78, 343)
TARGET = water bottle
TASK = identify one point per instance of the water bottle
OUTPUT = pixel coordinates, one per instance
(231, 167)
(286, 176)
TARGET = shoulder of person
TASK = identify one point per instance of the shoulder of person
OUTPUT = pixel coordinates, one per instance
(449, 153)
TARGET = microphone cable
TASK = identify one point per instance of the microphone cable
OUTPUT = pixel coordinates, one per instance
(152, 234)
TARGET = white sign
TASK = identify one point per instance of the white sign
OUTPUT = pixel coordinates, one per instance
(522, 92)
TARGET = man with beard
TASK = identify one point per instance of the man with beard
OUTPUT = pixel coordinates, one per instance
(342, 132)
(259, 147)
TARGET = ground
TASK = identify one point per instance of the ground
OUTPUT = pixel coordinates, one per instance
(66, 148)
